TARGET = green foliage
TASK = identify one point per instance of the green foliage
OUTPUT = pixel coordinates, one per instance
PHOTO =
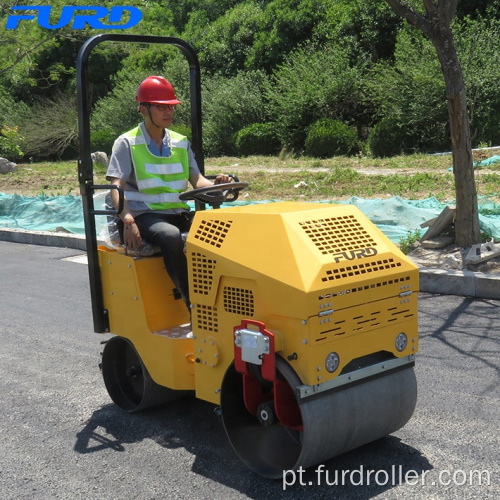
(313, 85)
(10, 143)
(229, 105)
(327, 138)
(387, 138)
(224, 48)
(411, 93)
(102, 140)
(348, 60)
(287, 24)
(367, 28)
(117, 112)
(407, 243)
(475, 8)
(257, 139)
(478, 45)
(10, 109)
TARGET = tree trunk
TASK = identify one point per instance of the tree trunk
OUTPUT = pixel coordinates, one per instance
(436, 26)
(467, 232)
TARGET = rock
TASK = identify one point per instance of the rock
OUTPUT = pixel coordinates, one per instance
(100, 158)
(482, 253)
(7, 166)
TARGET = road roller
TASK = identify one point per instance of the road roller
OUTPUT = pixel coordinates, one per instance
(303, 328)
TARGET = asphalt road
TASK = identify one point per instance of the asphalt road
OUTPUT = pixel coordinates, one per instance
(60, 437)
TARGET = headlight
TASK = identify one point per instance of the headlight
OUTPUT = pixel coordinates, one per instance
(332, 362)
(401, 341)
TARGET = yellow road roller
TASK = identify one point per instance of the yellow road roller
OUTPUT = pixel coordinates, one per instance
(303, 326)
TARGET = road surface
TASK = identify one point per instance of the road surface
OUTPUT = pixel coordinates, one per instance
(61, 437)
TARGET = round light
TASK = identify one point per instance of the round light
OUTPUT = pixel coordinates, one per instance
(401, 341)
(332, 362)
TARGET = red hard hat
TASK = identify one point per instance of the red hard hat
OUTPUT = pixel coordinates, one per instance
(156, 90)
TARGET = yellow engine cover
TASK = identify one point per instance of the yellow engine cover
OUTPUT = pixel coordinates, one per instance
(321, 277)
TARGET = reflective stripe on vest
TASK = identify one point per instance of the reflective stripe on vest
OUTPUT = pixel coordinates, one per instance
(160, 180)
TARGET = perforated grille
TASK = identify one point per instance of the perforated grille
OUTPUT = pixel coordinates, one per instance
(365, 322)
(360, 269)
(338, 234)
(213, 232)
(206, 318)
(378, 284)
(202, 275)
(238, 301)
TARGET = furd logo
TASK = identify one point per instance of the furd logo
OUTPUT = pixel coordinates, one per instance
(92, 16)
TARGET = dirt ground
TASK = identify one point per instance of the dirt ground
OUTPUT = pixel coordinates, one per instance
(451, 257)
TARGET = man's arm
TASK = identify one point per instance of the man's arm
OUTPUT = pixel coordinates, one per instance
(131, 234)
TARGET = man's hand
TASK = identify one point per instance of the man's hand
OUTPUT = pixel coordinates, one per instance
(222, 179)
(132, 236)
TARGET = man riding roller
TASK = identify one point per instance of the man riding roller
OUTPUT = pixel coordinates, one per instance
(153, 165)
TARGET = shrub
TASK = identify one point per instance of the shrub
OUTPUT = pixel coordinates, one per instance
(228, 106)
(257, 139)
(10, 143)
(314, 84)
(117, 112)
(327, 138)
(407, 243)
(411, 95)
(11, 111)
(54, 132)
(387, 138)
(102, 140)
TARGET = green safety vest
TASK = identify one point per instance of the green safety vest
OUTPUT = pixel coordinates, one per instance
(160, 180)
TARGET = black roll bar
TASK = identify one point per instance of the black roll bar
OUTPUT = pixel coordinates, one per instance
(85, 165)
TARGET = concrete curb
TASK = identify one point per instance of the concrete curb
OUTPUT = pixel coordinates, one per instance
(454, 282)
(45, 238)
(447, 282)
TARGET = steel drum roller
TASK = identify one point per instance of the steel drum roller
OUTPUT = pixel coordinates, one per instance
(333, 422)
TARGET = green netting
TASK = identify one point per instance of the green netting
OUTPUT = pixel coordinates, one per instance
(395, 217)
(42, 213)
(483, 163)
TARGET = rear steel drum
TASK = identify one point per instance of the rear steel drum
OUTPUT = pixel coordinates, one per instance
(127, 380)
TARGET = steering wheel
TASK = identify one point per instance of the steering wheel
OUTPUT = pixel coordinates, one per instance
(216, 194)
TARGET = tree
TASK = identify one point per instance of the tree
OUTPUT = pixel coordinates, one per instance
(435, 22)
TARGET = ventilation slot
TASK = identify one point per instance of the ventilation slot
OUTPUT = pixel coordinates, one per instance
(206, 319)
(338, 234)
(362, 288)
(238, 301)
(366, 322)
(202, 274)
(213, 232)
(360, 269)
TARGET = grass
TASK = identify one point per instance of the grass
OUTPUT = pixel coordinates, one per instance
(289, 178)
